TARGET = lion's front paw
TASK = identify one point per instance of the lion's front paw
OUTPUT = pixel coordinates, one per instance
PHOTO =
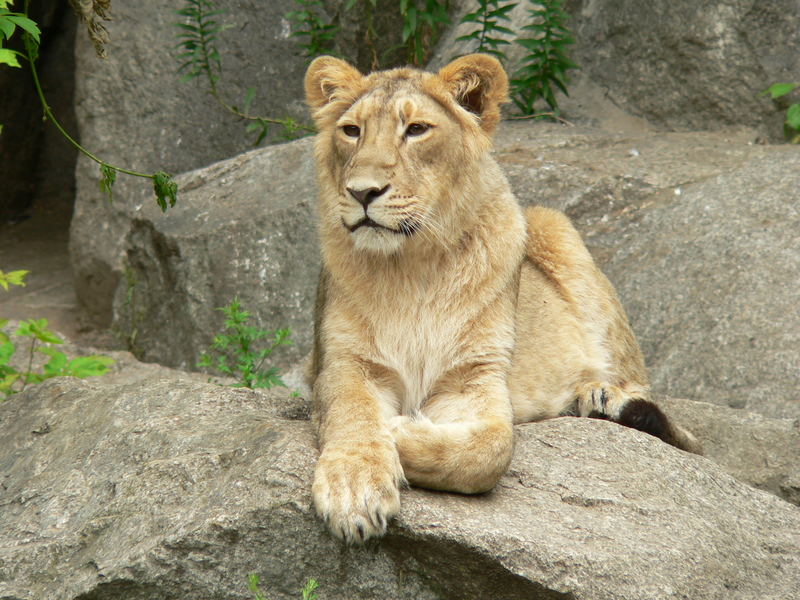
(356, 490)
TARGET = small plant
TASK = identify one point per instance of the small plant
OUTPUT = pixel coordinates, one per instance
(236, 353)
(791, 126)
(12, 380)
(12, 278)
(546, 63)
(320, 35)
(487, 17)
(308, 590)
(422, 20)
(200, 57)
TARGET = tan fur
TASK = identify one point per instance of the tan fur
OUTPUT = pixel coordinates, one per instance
(451, 314)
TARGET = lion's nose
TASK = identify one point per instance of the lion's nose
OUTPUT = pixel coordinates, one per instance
(367, 195)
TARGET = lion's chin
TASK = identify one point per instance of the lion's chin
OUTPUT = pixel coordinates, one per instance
(377, 241)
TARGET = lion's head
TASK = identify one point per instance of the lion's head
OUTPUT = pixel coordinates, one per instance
(398, 151)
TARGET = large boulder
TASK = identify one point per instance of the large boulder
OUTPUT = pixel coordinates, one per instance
(690, 65)
(153, 485)
(758, 450)
(134, 112)
(695, 230)
(244, 229)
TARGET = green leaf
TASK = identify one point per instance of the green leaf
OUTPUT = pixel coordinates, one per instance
(186, 27)
(248, 98)
(267, 379)
(9, 57)
(776, 90)
(37, 328)
(7, 350)
(55, 366)
(6, 382)
(410, 24)
(252, 582)
(793, 117)
(166, 190)
(6, 27)
(263, 133)
(89, 366)
(108, 175)
(309, 590)
(12, 278)
(25, 23)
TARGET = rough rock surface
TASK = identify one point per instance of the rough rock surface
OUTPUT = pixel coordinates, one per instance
(156, 486)
(244, 228)
(755, 449)
(695, 230)
(690, 65)
(134, 111)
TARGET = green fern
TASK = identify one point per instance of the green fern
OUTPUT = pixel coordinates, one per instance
(487, 17)
(422, 21)
(198, 41)
(545, 66)
(310, 25)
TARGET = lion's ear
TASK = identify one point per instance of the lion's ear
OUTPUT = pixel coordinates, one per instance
(479, 84)
(329, 78)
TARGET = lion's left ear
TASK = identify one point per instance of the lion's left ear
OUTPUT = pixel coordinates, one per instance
(479, 84)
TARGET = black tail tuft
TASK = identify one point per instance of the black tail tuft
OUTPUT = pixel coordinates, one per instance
(647, 417)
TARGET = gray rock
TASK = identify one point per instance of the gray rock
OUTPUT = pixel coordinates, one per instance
(155, 487)
(244, 228)
(134, 112)
(708, 276)
(689, 65)
(757, 450)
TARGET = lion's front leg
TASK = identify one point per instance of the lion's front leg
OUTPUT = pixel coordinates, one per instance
(463, 439)
(358, 475)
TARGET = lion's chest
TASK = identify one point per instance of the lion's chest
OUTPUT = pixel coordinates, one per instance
(419, 343)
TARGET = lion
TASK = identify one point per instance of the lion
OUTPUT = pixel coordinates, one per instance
(445, 314)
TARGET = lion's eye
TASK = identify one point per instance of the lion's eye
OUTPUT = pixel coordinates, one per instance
(352, 131)
(416, 129)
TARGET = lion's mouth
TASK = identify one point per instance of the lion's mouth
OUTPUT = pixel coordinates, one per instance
(407, 227)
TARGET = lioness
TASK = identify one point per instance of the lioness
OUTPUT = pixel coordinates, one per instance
(445, 314)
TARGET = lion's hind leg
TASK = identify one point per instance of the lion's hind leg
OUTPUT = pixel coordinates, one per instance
(613, 383)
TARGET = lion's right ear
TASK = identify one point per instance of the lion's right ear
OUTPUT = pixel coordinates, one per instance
(328, 79)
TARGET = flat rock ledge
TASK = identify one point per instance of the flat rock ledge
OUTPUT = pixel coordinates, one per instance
(158, 486)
